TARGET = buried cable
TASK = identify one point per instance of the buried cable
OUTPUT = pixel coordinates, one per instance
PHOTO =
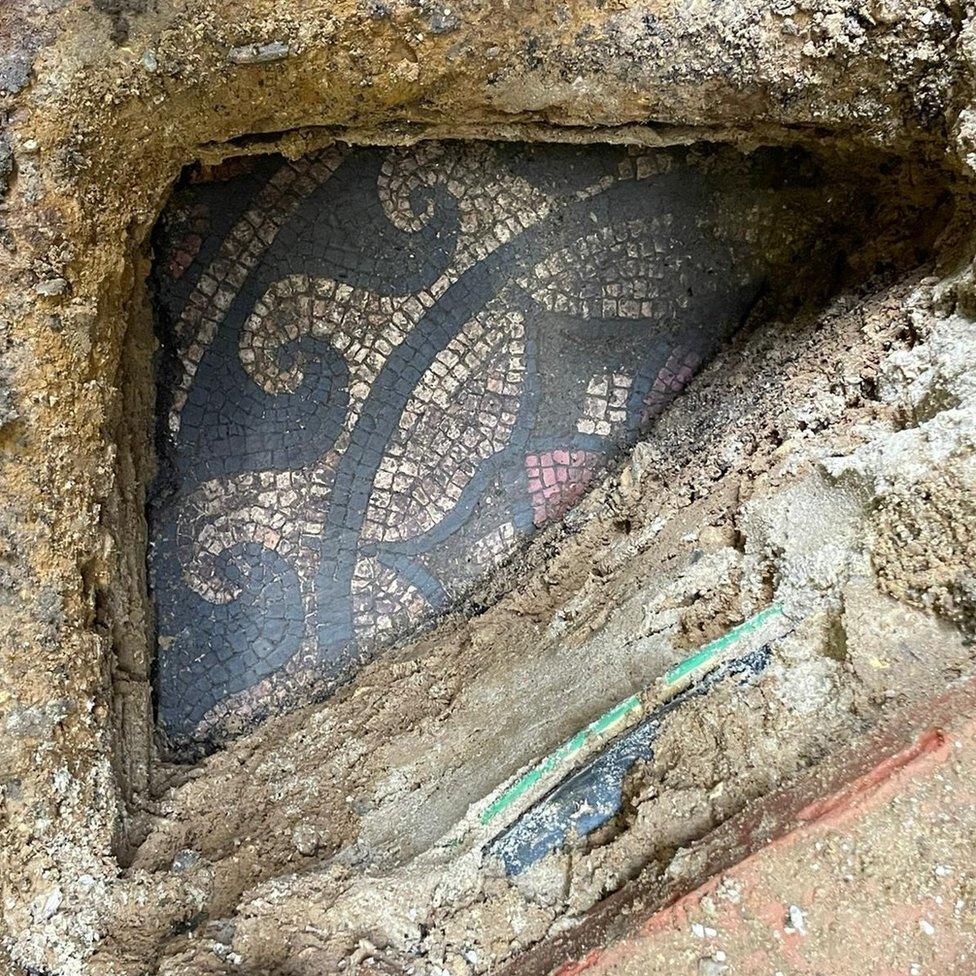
(507, 820)
(592, 795)
(769, 621)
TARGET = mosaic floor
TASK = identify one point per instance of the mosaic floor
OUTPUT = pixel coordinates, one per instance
(382, 369)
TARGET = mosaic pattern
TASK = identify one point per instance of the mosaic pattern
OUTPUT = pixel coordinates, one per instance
(382, 369)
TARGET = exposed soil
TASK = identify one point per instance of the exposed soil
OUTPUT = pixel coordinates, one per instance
(823, 461)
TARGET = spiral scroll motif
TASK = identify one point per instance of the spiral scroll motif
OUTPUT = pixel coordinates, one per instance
(382, 370)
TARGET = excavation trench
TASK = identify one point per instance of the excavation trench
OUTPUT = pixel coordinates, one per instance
(383, 370)
(425, 456)
(308, 784)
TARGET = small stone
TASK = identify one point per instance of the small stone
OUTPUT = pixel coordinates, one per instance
(29, 145)
(51, 287)
(259, 53)
(50, 905)
(149, 61)
(185, 860)
(707, 905)
(305, 839)
(443, 21)
(798, 920)
(15, 69)
(710, 966)
(926, 926)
